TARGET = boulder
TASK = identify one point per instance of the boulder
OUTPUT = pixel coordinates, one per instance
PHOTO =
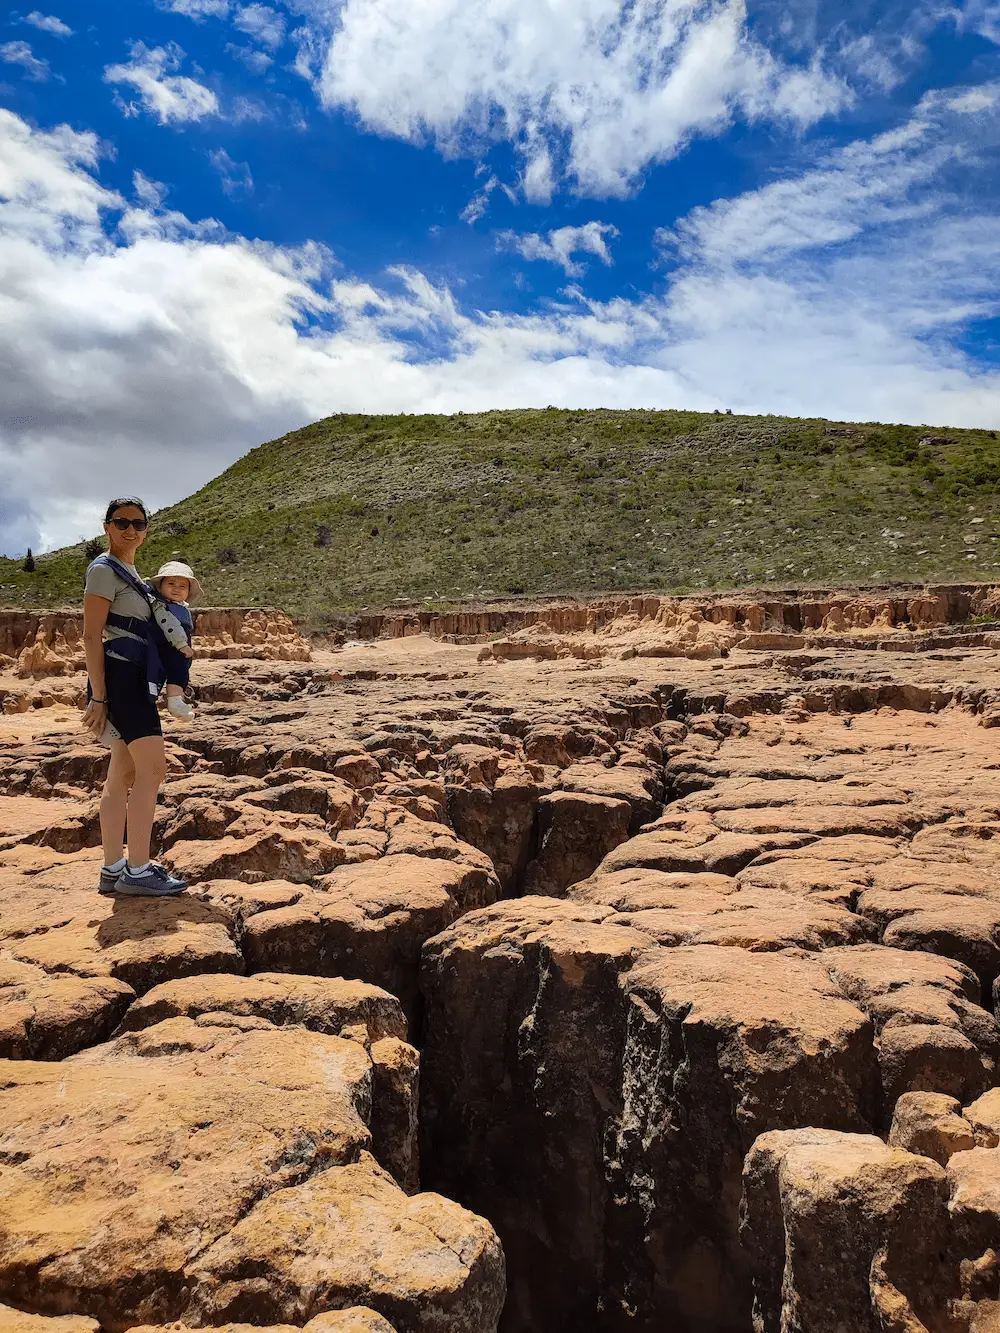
(721, 1045)
(974, 1200)
(959, 926)
(185, 1144)
(929, 1058)
(931, 1125)
(844, 1232)
(984, 1117)
(933, 1034)
(349, 1235)
(641, 787)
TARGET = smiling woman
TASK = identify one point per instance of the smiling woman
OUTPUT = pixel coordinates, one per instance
(117, 632)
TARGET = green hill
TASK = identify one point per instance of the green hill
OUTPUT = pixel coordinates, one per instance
(365, 510)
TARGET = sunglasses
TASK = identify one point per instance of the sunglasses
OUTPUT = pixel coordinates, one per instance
(123, 524)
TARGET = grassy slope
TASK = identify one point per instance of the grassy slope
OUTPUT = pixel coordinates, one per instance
(444, 509)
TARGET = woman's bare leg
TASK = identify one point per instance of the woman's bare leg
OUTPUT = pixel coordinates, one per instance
(150, 762)
(114, 801)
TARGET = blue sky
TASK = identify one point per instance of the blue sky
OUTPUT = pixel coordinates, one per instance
(220, 220)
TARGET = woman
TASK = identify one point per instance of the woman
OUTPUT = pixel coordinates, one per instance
(117, 620)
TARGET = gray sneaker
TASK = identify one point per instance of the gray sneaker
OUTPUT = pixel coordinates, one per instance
(152, 883)
(109, 880)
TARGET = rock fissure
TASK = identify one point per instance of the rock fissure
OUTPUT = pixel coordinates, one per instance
(699, 958)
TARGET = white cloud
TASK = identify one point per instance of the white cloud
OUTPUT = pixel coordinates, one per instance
(559, 246)
(20, 53)
(48, 23)
(261, 22)
(197, 9)
(171, 97)
(146, 356)
(892, 180)
(236, 177)
(258, 62)
(149, 193)
(595, 90)
(982, 17)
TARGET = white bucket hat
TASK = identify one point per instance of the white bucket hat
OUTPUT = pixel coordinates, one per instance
(177, 569)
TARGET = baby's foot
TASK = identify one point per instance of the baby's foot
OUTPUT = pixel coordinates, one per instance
(177, 707)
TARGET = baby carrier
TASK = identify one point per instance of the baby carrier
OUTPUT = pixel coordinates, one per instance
(162, 631)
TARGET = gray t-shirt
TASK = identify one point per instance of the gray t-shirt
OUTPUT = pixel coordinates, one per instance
(125, 601)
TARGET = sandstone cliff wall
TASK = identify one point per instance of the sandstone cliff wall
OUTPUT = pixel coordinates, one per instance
(815, 611)
(37, 644)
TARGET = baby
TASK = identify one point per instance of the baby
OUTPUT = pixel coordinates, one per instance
(176, 586)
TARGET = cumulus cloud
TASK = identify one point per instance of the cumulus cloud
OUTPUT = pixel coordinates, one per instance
(262, 23)
(48, 23)
(559, 246)
(172, 98)
(144, 352)
(595, 91)
(20, 53)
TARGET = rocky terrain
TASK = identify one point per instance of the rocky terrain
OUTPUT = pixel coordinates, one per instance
(630, 966)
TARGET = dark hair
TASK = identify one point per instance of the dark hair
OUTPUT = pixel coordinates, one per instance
(120, 504)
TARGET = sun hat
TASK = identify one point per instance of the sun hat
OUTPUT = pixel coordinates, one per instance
(177, 569)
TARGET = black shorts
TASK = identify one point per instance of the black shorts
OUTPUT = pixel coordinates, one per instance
(131, 708)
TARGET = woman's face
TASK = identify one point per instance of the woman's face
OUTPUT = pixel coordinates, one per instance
(128, 542)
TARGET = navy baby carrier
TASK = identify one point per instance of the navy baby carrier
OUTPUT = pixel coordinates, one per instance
(144, 650)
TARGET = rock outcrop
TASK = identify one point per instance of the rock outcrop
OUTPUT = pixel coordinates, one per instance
(573, 990)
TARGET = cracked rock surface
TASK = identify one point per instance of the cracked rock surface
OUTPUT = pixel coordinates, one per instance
(542, 992)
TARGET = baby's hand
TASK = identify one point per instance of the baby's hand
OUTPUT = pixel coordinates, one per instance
(186, 652)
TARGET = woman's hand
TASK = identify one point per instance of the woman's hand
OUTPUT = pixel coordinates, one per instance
(95, 718)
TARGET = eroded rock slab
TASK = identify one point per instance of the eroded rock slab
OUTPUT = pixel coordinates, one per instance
(721, 1045)
(643, 1076)
(52, 917)
(346, 1235)
(844, 1232)
(368, 921)
(171, 1138)
(805, 937)
(47, 1016)
(320, 1004)
(355, 1319)
(19, 1321)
